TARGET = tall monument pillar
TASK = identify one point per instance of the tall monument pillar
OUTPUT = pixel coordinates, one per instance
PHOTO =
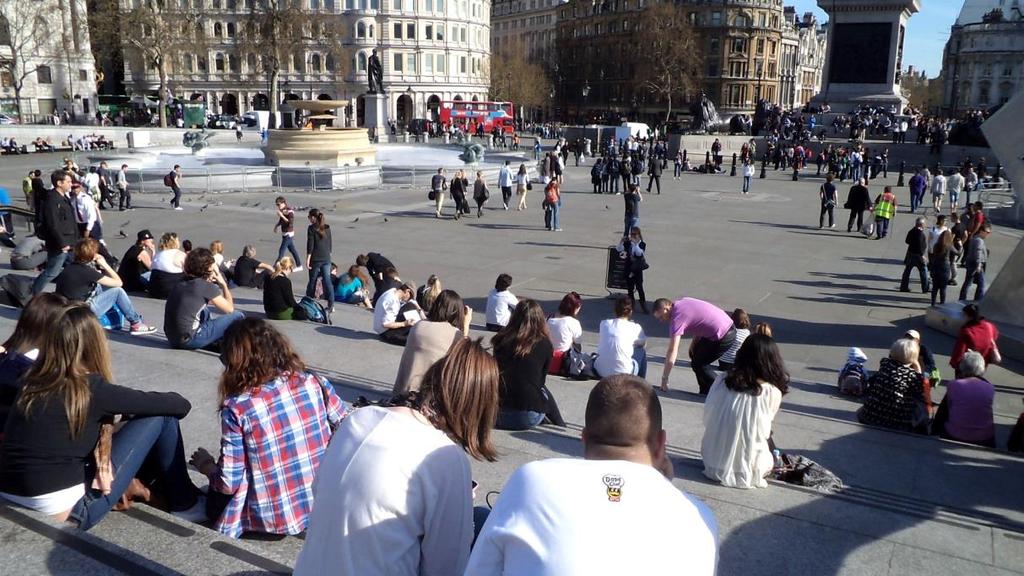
(864, 53)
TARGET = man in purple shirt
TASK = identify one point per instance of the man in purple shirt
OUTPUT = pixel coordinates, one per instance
(918, 184)
(709, 326)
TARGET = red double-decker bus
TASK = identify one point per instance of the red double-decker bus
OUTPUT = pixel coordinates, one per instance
(468, 115)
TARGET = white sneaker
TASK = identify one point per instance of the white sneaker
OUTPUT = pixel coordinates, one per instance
(179, 208)
(197, 513)
(297, 269)
(140, 329)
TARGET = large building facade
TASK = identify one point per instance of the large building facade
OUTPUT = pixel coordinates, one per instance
(741, 40)
(44, 45)
(430, 51)
(527, 25)
(983, 63)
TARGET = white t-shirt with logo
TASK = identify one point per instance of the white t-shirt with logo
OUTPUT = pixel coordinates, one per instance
(566, 516)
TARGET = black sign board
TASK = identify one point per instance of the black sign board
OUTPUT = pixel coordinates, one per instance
(615, 278)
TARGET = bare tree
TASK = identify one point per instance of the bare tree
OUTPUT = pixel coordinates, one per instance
(26, 44)
(669, 61)
(280, 32)
(157, 34)
(517, 77)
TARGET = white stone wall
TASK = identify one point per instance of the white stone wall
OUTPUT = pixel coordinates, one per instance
(64, 76)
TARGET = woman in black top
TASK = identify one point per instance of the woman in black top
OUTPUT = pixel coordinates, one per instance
(523, 350)
(458, 188)
(318, 256)
(633, 250)
(278, 299)
(46, 458)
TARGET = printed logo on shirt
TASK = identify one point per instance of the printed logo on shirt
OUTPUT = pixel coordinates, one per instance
(613, 486)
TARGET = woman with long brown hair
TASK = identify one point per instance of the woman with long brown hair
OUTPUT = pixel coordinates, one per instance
(523, 350)
(22, 348)
(394, 490)
(276, 419)
(939, 265)
(318, 256)
(353, 287)
(55, 423)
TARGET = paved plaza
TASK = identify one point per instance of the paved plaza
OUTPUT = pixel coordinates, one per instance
(912, 506)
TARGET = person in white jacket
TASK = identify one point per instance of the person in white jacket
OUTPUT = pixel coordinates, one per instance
(505, 181)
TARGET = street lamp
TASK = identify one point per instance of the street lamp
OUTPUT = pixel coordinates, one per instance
(760, 75)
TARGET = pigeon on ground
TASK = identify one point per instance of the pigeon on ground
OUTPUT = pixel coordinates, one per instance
(204, 207)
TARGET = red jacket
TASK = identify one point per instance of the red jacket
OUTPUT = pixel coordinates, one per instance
(979, 336)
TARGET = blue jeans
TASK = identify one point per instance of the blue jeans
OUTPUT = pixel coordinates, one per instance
(640, 361)
(156, 440)
(518, 419)
(54, 266)
(288, 245)
(551, 216)
(631, 222)
(211, 329)
(881, 227)
(746, 184)
(103, 301)
(321, 270)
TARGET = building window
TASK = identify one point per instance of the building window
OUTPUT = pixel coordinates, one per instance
(232, 63)
(760, 46)
(429, 5)
(462, 64)
(410, 63)
(218, 63)
(410, 31)
(397, 63)
(44, 75)
(428, 63)
(360, 30)
(440, 31)
(715, 45)
(314, 63)
(397, 30)
(250, 63)
(218, 29)
(232, 29)
(428, 32)
(713, 68)
(440, 63)
(396, 5)
(361, 62)
(739, 45)
(83, 75)
(462, 35)
(716, 18)
(440, 5)
(742, 21)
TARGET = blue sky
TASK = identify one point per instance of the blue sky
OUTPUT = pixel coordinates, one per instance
(926, 34)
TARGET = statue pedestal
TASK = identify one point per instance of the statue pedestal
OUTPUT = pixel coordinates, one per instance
(865, 53)
(376, 118)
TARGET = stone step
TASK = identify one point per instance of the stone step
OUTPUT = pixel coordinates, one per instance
(142, 541)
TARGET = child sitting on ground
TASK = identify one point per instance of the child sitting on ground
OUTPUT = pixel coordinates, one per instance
(853, 376)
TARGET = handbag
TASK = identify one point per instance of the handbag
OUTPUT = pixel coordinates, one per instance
(432, 195)
(579, 366)
(529, 186)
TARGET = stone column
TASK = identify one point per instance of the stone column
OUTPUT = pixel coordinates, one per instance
(863, 54)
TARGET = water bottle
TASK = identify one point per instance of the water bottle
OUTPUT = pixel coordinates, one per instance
(777, 456)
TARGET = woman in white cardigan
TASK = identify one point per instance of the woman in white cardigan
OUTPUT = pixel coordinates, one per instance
(738, 415)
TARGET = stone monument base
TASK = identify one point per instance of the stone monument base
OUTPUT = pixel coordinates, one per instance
(330, 147)
(376, 117)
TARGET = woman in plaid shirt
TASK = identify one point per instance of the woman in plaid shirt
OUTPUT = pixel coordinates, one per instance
(276, 421)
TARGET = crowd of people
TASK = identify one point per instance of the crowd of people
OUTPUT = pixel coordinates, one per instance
(398, 471)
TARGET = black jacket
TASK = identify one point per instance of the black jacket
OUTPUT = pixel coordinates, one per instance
(917, 242)
(59, 227)
(859, 198)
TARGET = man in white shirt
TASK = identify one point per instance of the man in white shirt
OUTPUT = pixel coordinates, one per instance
(87, 216)
(616, 512)
(395, 313)
(500, 303)
(938, 190)
(505, 183)
(124, 201)
(955, 185)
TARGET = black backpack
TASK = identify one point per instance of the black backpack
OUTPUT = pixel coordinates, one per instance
(15, 290)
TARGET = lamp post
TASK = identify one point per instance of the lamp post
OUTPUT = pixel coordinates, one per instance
(760, 75)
